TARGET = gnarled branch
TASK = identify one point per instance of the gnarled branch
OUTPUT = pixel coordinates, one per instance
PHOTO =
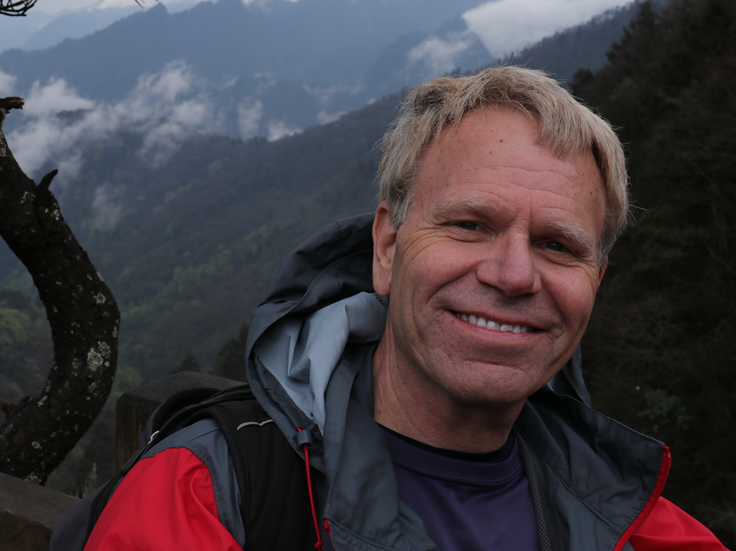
(16, 8)
(84, 319)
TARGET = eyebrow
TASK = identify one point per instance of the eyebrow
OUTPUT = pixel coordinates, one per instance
(576, 234)
(466, 204)
(570, 231)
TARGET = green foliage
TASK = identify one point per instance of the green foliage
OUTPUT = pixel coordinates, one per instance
(25, 346)
(664, 321)
(13, 326)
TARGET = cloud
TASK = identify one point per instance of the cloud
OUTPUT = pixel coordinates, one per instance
(105, 211)
(52, 138)
(54, 97)
(437, 55)
(165, 108)
(69, 169)
(175, 80)
(6, 84)
(279, 129)
(249, 117)
(324, 117)
(507, 26)
(326, 96)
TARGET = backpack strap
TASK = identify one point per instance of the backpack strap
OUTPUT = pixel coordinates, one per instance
(274, 505)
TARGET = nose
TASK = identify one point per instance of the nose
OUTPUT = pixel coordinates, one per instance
(510, 267)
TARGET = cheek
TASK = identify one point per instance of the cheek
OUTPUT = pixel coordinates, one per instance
(574, 298)
(430, 268)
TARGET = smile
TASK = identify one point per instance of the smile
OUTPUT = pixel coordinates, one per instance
(494, 325)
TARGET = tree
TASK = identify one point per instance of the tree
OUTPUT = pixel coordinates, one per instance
(39, 432)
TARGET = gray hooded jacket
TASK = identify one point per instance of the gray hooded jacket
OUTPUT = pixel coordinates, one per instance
(309, 353)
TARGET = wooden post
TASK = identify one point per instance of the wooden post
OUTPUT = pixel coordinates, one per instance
(28, 514)
(135, 407)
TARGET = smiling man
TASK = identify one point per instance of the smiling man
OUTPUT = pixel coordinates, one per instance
(423, 361)
(492, 279)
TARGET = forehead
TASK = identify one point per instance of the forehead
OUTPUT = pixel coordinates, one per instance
(492, 150)
(498, 136)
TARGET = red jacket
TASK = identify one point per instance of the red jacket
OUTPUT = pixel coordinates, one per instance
(178, 511)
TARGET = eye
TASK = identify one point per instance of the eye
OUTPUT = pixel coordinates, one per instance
(470, 226)
(555, 246)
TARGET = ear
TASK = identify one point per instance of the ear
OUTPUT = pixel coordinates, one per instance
(384, 245)
(602, 271)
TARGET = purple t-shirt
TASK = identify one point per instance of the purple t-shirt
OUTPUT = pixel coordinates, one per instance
(468, 502)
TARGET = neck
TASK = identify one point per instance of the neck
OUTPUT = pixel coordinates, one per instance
(412, 405)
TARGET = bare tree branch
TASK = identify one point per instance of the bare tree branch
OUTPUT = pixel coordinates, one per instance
(39, 432)
(16, 8)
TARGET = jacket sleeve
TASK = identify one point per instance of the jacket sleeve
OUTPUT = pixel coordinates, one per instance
(669, 528)
(166, 502)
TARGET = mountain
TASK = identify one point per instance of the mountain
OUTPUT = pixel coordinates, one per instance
(16, 30)
(76, 24)
(324, 42)
(419, 55)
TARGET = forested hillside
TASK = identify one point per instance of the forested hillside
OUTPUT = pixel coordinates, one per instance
(661, 347)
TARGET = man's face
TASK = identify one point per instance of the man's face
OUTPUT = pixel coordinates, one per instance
(501, 233)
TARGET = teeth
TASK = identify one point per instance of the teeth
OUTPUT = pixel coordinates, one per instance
(493, 325)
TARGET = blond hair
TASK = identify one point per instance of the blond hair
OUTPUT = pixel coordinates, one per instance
(565, 126)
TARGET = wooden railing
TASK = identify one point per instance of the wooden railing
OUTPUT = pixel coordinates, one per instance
(29, 513)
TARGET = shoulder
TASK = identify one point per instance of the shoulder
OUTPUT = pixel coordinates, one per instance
(669, 527)
(183, 490)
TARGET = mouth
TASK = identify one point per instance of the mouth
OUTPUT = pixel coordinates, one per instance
(494, 325)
